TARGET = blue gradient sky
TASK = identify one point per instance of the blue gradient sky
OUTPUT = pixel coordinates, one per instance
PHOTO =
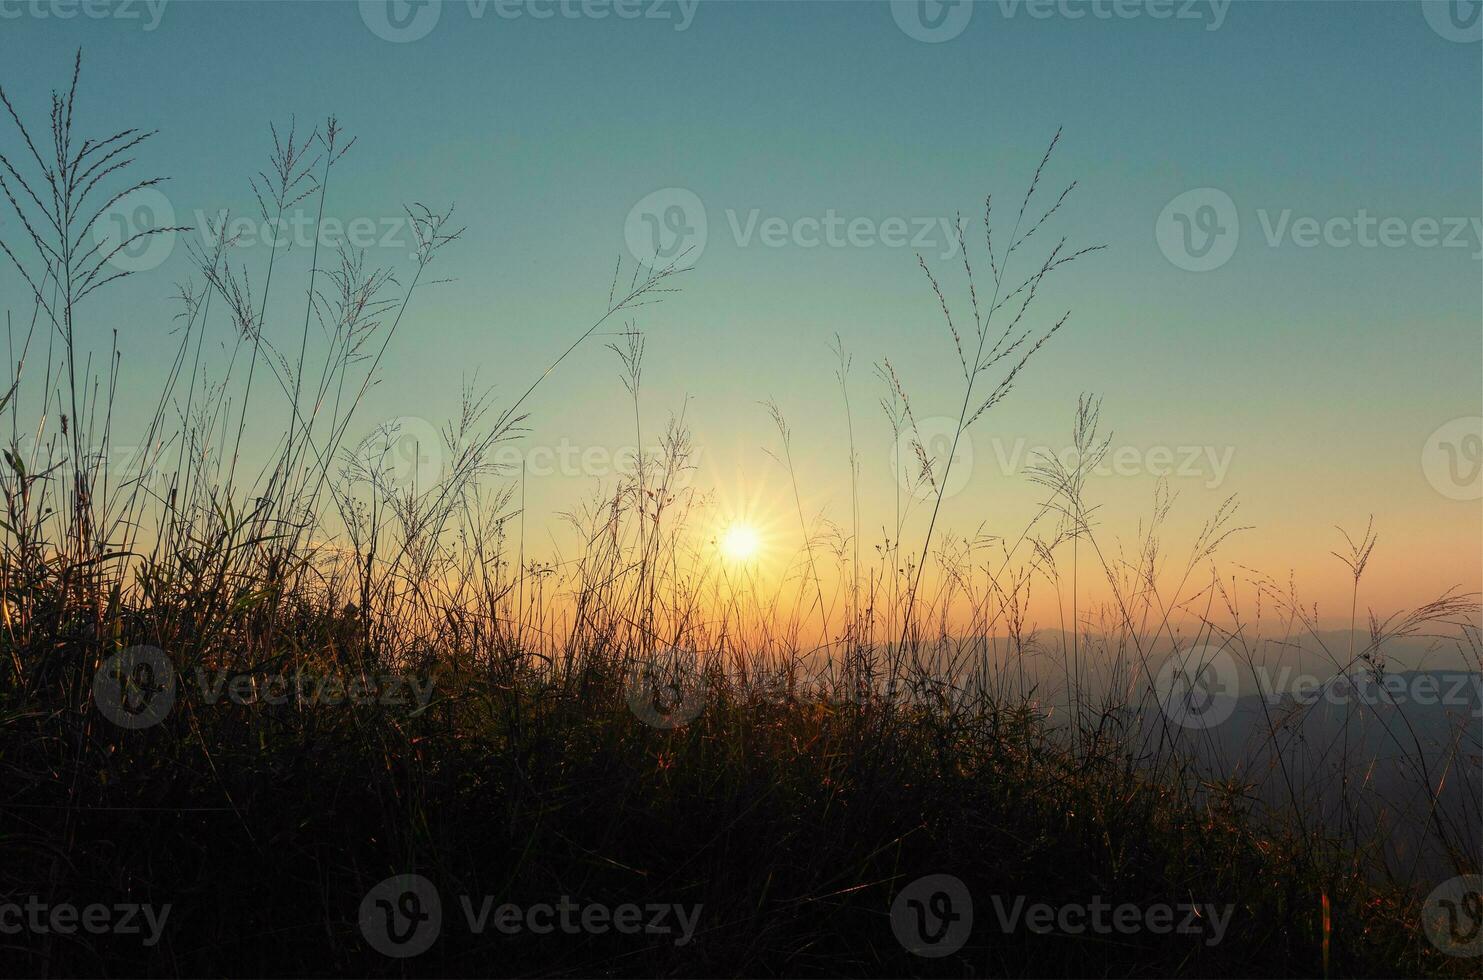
(1323, 370)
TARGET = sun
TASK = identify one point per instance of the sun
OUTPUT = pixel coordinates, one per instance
(740, 542)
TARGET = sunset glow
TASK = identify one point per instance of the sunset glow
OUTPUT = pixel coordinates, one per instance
(740, 543)
(633, 488)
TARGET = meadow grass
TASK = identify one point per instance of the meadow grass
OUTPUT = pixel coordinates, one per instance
(631, 724)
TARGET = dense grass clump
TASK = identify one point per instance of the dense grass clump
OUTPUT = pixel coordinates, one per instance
(791, 821)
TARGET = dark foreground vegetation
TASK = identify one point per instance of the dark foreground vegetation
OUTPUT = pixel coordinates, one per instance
(791, 822)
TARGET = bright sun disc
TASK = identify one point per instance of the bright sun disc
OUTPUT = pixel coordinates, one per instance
(739, 543)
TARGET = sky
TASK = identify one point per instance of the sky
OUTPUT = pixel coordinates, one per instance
(1287, 309)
